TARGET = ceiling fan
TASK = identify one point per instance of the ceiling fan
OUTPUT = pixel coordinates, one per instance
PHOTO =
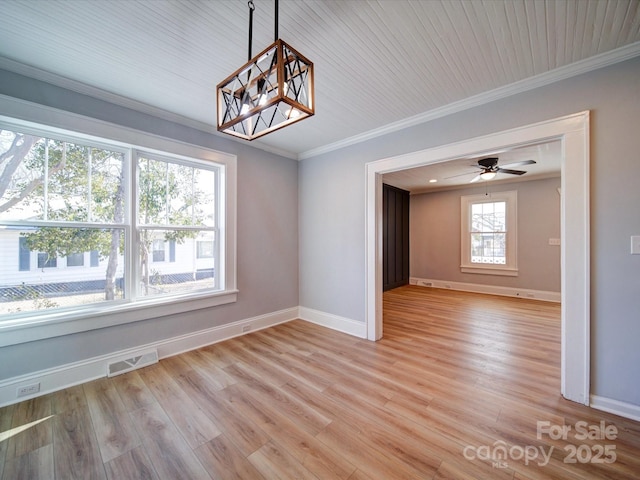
(490, 168)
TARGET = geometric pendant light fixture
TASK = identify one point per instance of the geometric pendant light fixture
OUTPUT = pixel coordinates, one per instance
(272, 90)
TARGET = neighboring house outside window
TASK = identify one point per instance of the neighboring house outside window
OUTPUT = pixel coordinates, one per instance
(205, 249)
(24, 255)
(46, 261)
(489, 234)
(75, 260)
(158, 251)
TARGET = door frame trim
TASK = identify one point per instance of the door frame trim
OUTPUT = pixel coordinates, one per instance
(573, 132)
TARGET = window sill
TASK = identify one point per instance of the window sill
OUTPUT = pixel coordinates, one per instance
(38, 327)
(489, 270)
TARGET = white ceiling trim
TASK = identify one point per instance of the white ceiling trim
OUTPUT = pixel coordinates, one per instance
(561, 73)
(583, 66)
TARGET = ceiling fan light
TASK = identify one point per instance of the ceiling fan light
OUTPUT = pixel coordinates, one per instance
(488, 175)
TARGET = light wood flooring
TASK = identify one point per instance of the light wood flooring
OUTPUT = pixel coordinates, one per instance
(455, 376)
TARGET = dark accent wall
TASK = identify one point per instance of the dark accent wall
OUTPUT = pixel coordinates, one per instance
(395, 237)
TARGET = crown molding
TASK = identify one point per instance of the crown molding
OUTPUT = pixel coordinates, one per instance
(577, 68)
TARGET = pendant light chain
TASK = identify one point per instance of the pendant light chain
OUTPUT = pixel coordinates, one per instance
(252, 7)
(275, 28)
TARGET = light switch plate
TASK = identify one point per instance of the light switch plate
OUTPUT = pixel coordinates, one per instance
(635, 245)
(554, 241)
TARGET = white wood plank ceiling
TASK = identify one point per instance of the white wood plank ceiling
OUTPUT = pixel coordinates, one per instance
(377, 62)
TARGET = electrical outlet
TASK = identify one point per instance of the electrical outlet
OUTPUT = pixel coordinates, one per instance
(635, 245)
(28, 390)
(246, 328)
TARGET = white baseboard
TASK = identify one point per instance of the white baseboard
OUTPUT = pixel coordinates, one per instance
(623, 409)
(335, 322)
(64, 376)
(489, 289)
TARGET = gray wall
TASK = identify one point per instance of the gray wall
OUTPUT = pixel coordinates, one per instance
(435, 236)
(267, 243)
(332, 209)
(326, 202)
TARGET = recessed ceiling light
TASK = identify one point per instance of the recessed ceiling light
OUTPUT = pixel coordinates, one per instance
(433, 180)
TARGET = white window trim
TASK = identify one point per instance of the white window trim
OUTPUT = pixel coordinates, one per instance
(511, 266)
(30, 327)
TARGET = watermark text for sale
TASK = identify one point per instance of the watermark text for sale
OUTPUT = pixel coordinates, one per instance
(597, 445)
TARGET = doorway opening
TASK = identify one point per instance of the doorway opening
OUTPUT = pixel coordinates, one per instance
(572, 132)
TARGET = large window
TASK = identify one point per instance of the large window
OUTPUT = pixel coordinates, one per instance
(178, 208)
(86, 222)
(489, 228)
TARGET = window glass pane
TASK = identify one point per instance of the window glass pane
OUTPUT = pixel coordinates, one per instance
(49, 179)
(205, 197)
(157, 250)
(65, 181)
(488, 248)
(477, 222)
(172, 250)
(204, 249)
(47, 261)
(488, 238)
(94, 258)
(48, 287)
(75, 260)
(476, 209)
(488, 217)
(106, 189)
(21, 193)
(175, 194)
(25, 255)
(187, 273)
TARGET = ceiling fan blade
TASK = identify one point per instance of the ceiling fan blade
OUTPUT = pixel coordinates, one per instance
(475, 179)
(518, 164)
(512, 172)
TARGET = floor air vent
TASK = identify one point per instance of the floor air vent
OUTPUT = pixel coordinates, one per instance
(132, 363)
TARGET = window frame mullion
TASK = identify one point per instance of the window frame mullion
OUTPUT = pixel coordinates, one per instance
(131, 254)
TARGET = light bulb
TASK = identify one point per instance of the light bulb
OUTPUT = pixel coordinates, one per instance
(262, 92)
(246, 100)
(293, 113)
